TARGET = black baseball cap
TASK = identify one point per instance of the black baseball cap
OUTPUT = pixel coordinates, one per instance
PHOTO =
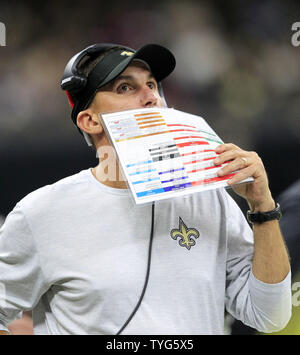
(81, 89)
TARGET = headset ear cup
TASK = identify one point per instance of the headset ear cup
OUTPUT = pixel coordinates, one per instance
(74, 83)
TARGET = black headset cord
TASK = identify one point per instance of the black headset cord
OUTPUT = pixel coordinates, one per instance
(147, 275)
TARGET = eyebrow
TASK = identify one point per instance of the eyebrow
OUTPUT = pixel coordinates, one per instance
(129, 77)
(109, 86)
(123, 77)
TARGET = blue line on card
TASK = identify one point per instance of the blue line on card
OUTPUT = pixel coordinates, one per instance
(180, 178)
(177, 187)
(142, 172)
(150, 192)
(141, 181)
(170, 171)
(139, 163)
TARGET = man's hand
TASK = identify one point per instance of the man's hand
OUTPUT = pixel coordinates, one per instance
(270, 261)
(249, 164)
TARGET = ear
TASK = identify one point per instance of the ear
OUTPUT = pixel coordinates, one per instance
(89, 122)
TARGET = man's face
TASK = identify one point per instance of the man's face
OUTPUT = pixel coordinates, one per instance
(132, 89)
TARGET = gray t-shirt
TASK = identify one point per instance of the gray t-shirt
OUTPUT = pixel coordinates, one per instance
(76, 253)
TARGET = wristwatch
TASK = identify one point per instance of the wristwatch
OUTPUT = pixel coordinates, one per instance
(261, 217)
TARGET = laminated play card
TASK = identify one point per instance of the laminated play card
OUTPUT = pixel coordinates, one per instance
(164, 152)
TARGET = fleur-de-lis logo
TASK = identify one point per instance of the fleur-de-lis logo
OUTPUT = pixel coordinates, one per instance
(185, 234)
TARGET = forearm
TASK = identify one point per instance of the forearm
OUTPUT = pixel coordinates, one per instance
(271, 261)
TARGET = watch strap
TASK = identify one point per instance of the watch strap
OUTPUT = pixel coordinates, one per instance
(261, 217)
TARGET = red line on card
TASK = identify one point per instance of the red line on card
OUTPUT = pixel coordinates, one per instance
(207, 181)
(188, 144)
(181, 125)
(185, 137)
(183, 130)
(199, 160)
(198, 151)
(202, 169)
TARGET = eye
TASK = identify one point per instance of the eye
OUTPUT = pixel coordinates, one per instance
(124, 87)
(151, 85)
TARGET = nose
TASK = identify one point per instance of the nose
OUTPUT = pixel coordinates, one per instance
(148, 98)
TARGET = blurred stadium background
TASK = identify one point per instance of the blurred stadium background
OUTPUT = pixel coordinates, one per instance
(236, 67)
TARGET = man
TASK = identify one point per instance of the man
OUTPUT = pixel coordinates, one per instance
(88, 262)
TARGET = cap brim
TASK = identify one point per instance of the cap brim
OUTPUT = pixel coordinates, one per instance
(160, 60)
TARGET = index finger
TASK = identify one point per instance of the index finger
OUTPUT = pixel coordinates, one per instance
(226, 146)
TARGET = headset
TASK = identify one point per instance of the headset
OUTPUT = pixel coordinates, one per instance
(74, 82)
(80, 91)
